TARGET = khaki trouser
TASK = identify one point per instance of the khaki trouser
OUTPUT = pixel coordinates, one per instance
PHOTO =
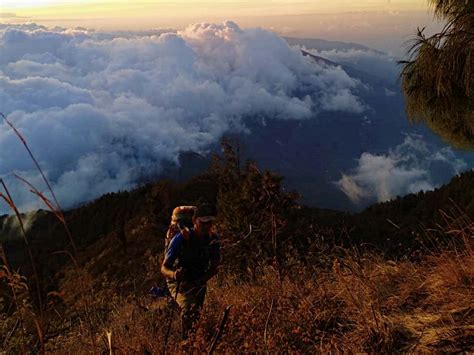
(190, 299)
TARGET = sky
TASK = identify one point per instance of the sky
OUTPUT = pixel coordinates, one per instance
(382, 24)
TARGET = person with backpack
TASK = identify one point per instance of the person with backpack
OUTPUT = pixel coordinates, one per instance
(191, 259)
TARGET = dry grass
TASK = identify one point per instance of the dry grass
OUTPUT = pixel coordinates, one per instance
(364, 304)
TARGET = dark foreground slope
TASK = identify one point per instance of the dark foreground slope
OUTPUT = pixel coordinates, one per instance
(122, 218)
(312, 295)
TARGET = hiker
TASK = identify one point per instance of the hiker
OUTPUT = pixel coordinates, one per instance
(191, 259)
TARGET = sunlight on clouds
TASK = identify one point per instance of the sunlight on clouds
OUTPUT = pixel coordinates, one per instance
(383, 24)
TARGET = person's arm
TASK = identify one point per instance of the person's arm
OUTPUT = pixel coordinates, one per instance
(167, 272)
(172, 253)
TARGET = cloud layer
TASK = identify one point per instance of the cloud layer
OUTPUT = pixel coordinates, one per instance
(410, 167)
(101, 110)
(373, 62)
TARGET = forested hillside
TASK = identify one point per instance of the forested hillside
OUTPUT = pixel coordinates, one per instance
(398, 224)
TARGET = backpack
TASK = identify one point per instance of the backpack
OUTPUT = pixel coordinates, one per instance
(181, 221)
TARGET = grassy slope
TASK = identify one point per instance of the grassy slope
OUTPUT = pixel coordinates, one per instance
(364, 303)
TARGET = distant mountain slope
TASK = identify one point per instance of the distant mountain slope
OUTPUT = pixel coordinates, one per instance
(313, 154)
(142, 215)
(323, 45)
(319, 59)
(330, 142)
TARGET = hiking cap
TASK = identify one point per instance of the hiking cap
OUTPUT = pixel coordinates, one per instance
(205, 213)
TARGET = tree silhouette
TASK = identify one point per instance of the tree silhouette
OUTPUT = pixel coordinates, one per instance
(256, 214)
(438, 78)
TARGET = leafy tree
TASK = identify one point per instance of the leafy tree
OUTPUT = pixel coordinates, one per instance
(438, 79)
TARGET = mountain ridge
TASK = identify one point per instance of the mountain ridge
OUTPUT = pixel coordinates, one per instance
(118, 215)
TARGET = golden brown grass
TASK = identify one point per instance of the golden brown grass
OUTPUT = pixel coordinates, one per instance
(363, 304)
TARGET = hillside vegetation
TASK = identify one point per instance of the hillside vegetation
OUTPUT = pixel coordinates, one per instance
(396, 278)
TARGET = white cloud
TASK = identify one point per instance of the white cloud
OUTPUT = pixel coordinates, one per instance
(100, 110)
(412, 166)
(373, 62)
